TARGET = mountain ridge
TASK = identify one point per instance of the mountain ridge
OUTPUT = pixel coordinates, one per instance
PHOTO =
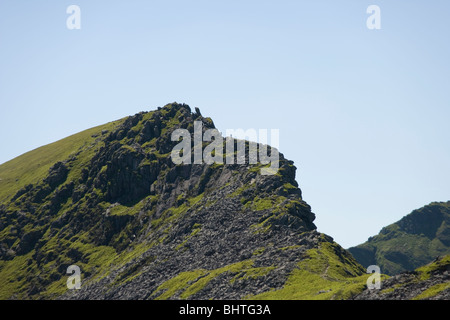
(116, 205)
(111, 201)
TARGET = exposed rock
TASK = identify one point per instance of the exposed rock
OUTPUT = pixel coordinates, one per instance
(57, 175)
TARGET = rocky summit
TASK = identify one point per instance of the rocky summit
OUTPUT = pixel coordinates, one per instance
(107, 214)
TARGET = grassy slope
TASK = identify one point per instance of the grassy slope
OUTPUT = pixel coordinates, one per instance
(327, 274)
(34, 165)
(29, 168)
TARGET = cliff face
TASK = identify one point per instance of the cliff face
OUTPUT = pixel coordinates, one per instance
(411, 242)
(111, 201)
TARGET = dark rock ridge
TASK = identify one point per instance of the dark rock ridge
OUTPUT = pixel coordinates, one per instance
(411, 242)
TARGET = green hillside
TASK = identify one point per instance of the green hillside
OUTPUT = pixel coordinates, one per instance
(34, 165)
(411, 242)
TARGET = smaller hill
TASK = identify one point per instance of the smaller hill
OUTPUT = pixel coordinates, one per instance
(409, 243)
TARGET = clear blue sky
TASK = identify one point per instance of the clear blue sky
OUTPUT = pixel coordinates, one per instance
(363, 113)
